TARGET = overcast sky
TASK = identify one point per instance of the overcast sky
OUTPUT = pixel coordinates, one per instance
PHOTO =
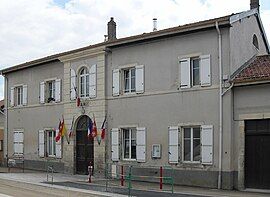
(30, 29)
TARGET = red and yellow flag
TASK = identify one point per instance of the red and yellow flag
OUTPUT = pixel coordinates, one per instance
(94, 130)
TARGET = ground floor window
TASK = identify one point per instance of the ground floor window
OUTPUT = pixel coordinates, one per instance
(51, 144)
(18, 138)
(129, 143)
(192, 144)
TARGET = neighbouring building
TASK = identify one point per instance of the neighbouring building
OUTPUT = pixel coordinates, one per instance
(251, 117)
(174, 97)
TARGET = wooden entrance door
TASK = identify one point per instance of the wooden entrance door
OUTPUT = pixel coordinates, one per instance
(257, 154)
(84, 146)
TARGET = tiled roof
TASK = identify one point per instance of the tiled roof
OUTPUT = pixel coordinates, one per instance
(257, 70)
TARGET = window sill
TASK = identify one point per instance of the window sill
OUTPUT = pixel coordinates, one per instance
(191, 162)
(18, 106)
(132, 160)
(128, 94)
(194, 88)
(52, 103)
(51, 156)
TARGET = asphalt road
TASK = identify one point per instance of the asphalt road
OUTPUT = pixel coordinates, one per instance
(15, 189)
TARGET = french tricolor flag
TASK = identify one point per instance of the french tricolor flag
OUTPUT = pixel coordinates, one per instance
(90, 130)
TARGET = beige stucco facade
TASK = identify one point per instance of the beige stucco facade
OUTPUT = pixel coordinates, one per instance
(94, 106)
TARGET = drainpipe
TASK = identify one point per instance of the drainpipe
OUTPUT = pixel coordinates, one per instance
(6, 116)
(220, 107)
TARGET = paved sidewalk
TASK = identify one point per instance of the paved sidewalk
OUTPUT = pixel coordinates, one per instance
(79, 182)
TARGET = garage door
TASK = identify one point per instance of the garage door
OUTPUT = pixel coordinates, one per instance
(257, 154)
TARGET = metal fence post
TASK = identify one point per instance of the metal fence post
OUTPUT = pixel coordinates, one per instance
(129, 181)
(160, 178)
(106, 176)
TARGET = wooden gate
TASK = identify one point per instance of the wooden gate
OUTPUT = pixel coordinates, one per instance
(84, 146)
(257, 154)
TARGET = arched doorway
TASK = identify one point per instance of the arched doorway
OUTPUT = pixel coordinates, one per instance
(84, 146)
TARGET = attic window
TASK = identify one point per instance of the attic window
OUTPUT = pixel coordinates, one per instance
(255, 41)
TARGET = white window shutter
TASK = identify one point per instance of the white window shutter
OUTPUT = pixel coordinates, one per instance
(58, 147)
(42, 92)
(173, 145)
(116, 82)
(184, 74)
(93, 81)
(24, 94)
(73, 84)
(41, 143)
(57, 90)
(205, 70)
(12, 96)
(139, 79)
(207, 143)
(18, 139)
(115, 144)
(141, 144)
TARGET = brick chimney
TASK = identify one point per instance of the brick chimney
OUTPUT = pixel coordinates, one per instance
(111, 30)
(254, 4)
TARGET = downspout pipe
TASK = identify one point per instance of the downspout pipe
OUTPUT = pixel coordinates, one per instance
(220, 107)
(6, 118)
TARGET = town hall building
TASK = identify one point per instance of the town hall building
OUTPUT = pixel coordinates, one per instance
(182, 97)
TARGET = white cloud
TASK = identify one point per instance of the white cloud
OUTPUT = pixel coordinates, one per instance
(265, 15)
(32, 29)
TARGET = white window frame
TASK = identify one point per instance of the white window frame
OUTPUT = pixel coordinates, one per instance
(191, 144)
(83, 80)
(129, 90)
(50, 90)
(186, 74)
(19, 102)
(53, 144)
(191, 71)
(131, 129)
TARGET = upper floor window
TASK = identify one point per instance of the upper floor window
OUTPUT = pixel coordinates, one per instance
(128, 80)
(50, 91)
(84, 82)
(195, 67)
(195, 71)
(50, 85)
(18, 95)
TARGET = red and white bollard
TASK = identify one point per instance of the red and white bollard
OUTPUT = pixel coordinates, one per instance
(90, 171)
(160, 178)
